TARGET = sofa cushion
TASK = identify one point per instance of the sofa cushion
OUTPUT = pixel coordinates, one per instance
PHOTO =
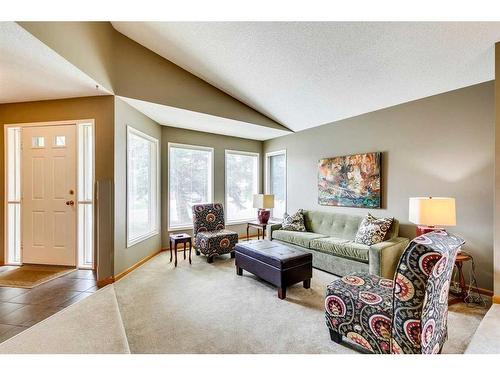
(341, 247)
(297, 238)
(339, 225)
(332, 224)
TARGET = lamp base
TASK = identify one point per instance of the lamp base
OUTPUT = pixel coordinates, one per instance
(423, 229)
(263, 215)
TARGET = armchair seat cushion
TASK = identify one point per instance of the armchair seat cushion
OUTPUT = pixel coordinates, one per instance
(297, 238)
(359, 307)
(408, 315)
(341, 247)
(216, 242)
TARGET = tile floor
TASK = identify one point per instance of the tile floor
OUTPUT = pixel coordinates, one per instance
(22, 308)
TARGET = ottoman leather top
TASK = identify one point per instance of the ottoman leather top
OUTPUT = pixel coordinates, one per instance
(273, 253)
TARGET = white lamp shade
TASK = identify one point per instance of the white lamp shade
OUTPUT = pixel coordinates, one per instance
(263, 201)
(432, 211)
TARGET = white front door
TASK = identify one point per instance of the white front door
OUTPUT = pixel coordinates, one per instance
(48, 210)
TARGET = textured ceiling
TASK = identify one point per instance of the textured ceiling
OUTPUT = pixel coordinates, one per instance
(181, 118)
(304, 74)
(29, 70)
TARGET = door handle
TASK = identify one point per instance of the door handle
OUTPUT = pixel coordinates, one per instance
(70, 203)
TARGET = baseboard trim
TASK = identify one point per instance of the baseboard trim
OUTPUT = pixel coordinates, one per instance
(136, 265)
(484, 292)
(103, 282)
(496, 299)
(112, 279)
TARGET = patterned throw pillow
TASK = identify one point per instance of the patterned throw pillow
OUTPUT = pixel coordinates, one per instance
(294, 222)
(372, 230)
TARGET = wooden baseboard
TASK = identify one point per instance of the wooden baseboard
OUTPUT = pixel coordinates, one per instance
(104, 282)
(484, 292)
(139, 263)
(496, 299)
(112, 279)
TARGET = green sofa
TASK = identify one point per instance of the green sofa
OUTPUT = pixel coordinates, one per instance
(330, 239)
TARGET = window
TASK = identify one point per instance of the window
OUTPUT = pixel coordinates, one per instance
(242, 182)
(142, 186)
(190, 181)
(13, 240)
(60, 141)
(276, 181)
(85, 192)
(38, 142)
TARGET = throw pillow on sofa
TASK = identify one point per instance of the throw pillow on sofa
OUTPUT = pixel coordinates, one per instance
(373, 230)
(294, 222)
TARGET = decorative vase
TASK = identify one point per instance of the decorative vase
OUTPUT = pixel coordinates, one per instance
(263, 215)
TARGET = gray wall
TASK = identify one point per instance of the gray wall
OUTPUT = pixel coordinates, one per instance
(438, 146)
(220, 143)
(125, 256)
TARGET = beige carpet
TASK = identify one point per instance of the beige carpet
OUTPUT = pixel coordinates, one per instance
(486, 340)
(30, 276)
(207, 308)
(202, 308)
(90, 326)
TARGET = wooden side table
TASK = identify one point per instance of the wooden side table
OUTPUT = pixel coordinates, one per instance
(259, 226)
(459, 262)
(182, 238)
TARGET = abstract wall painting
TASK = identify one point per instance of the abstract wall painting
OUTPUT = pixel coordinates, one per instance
(350, 181)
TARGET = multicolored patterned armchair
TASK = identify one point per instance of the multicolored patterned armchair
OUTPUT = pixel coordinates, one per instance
(407, 315)
(210, 234)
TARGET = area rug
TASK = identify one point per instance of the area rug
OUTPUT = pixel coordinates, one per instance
(30, 276)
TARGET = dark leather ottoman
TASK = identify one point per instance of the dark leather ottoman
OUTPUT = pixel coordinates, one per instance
(276, 263)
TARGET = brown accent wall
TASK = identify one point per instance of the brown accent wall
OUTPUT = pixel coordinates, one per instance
(99, 108)
(443, 145)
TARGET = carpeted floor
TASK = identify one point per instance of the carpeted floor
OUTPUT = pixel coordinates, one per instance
(207, 308)
(486, 340)
(90, 326)
(30, 276)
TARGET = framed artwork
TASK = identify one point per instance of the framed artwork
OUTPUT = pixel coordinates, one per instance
(350, 181)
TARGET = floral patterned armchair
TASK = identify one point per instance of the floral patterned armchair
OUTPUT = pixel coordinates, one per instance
(407, 315)
(210, 234)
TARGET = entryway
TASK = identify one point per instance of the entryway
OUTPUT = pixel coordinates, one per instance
(50, 194)
(49, 221)
(22, 308)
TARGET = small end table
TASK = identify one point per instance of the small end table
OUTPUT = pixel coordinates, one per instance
(459, 262)
(176, 239)
(259, 226)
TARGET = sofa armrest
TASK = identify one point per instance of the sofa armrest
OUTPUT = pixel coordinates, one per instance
(383, 257)
(270, 228)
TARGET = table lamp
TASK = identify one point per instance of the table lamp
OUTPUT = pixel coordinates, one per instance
(430, 213)
(263, 202)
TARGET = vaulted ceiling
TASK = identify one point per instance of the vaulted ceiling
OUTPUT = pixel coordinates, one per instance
(305, 74)
(264, 77)
(30, 70)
